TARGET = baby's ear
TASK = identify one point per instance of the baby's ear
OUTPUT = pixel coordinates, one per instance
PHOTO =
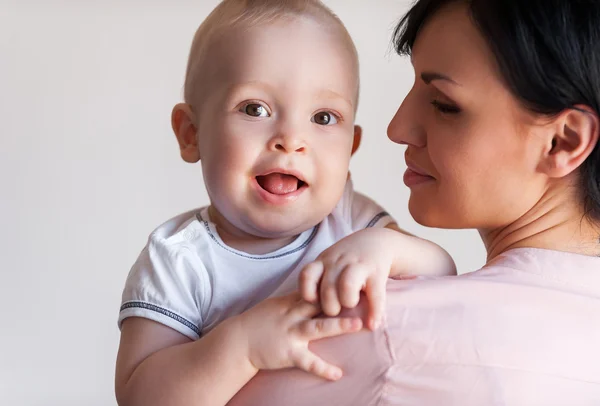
(182, 122)
(357, 138)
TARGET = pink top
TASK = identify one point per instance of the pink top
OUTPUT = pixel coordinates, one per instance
(523, 331)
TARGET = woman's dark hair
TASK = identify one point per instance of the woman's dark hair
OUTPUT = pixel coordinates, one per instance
(548, 52)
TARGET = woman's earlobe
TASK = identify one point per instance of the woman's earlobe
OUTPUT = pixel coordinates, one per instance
(184, 128)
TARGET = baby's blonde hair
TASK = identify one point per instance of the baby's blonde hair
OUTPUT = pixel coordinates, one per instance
(233, 13)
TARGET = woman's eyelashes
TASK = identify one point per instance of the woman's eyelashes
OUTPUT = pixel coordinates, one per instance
(445, 108)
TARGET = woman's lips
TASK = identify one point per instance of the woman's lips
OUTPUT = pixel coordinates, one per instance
(415, 175)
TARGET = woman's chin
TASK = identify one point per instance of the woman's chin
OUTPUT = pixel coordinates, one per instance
(425, 213)
(421, 211)
(436, 219)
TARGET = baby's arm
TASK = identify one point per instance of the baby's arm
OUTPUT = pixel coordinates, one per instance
(363, 261)
(159, 366)
(416, 256)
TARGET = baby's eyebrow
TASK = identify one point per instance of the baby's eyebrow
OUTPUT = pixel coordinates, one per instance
(252, 84)
(255, 84)
(330, 94)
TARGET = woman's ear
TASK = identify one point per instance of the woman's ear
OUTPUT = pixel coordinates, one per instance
(575, 134)
(357, 138)
(182, 122)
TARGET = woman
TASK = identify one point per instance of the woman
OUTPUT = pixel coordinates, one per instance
(501, 129)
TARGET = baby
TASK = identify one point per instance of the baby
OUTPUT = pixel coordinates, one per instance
(270, 99)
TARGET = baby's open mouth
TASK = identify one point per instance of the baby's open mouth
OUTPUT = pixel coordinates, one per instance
(280, 183)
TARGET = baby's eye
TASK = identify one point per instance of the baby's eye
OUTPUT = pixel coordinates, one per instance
(255, 110)
(324, 118)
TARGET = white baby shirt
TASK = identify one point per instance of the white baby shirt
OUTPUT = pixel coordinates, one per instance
(186, 278)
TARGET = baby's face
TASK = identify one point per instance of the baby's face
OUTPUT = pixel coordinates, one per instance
(275, 125)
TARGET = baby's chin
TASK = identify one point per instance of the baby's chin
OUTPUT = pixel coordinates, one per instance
(281, 226)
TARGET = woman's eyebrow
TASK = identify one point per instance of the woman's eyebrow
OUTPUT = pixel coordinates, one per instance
(429, 77)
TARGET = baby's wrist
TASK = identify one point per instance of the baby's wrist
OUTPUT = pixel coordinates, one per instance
(235, 331)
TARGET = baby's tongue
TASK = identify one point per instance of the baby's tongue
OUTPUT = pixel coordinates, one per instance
(278, 183)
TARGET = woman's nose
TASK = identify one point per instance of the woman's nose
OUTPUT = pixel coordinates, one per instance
(405, 128)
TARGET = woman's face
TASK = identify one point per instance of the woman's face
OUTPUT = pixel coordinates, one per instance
(465, 132)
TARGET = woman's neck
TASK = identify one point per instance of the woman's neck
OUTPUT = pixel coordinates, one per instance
(557, 222)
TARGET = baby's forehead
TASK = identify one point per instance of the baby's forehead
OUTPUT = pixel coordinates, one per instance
(222, 46)
(302, 39)
(308, 58)
(320, 30)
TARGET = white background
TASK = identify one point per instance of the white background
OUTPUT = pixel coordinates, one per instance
(89, 166)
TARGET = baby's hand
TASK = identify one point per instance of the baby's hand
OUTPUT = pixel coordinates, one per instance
(360, 262)
(277, 332)
(363, 261)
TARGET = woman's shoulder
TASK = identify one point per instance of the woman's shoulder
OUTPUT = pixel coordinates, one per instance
(519, 277)
(524, 321)
(506, 320)
(566, 271)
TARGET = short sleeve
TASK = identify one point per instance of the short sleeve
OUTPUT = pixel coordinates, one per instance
(166, 284)
(360, 211)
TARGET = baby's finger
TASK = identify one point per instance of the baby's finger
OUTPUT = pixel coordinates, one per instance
(310, 276)
(350, 283)
(330, 302)
(316, 329)
(305, 310)
(375, 290)
(309, 362)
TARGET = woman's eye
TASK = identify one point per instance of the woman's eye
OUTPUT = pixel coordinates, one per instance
(445, 108)
(255, 110)
(324, 118)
